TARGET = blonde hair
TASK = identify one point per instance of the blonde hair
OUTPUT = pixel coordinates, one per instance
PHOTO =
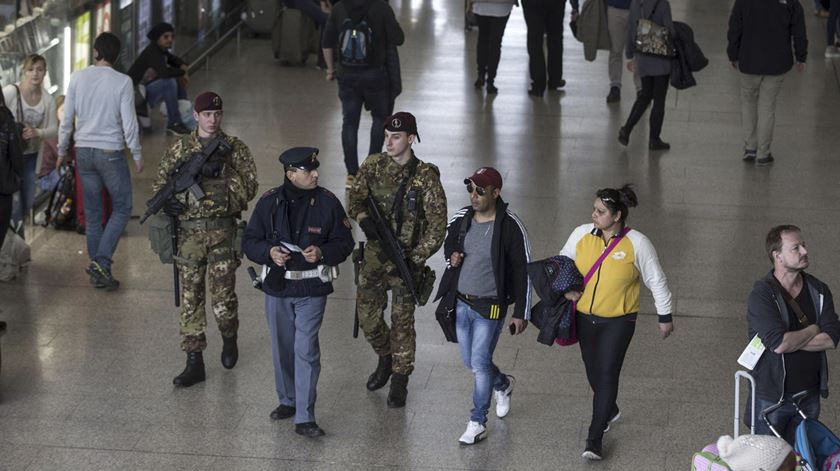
(32, 59)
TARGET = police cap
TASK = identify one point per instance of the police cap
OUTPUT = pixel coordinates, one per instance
(304, 158)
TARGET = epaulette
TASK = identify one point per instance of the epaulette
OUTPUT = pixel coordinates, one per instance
(328, 193)
(270, 192)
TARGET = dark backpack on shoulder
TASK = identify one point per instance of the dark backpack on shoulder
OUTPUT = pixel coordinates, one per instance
(355, 41)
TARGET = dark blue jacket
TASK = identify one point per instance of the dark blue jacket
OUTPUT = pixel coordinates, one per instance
(324, 224)
(764, 36)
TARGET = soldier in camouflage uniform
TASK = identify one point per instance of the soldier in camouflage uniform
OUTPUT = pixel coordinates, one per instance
(209, 234)
(419, 223)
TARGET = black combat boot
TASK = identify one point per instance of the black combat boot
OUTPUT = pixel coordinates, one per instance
(399, 391)
(380, 376)
(230, 352)
(193, 373)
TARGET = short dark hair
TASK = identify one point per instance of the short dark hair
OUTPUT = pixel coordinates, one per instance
(773, 243)
(620, 199)
(107, 47)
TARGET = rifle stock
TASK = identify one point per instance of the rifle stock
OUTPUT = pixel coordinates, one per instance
(393, 250)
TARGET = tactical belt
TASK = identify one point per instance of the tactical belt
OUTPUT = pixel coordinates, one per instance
(208, 224)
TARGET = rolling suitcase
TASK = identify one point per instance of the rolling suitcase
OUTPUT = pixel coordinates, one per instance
(260, 15)
(294, 37)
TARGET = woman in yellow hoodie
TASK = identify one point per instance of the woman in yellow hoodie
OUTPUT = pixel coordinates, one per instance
(608, 306)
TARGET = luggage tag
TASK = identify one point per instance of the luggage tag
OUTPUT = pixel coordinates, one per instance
(750, 356)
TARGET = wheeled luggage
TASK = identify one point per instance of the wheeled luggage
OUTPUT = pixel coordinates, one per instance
(294, 37)
(260, 15)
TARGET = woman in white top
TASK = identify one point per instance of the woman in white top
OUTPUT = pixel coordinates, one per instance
(492, 17)
(33, 106)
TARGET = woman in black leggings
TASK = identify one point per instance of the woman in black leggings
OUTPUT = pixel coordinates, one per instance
(654, 71)
(609, 304)
(492, 17)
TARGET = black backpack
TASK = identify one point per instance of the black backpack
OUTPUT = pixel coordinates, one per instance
(355, 41)
(61, 209)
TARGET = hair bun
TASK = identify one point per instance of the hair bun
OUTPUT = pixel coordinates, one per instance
(628, 196)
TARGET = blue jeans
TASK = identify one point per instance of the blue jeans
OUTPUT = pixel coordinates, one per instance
(24, 196)
(100, 168)
(785, 419)
(357, 88)
(477, 338)
(293, 325)
(169, 91)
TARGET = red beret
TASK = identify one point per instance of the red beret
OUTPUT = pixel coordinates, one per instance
(207, 101)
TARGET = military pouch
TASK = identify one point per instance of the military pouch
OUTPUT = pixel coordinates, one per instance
(160, 237)
(237, 238)
(426, 285)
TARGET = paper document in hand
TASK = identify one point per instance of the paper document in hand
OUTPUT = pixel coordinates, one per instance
(291, 247)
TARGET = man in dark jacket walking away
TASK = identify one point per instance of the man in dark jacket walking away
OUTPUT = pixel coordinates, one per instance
(487, 251)
(357, 37)
(163, 74)
(792, 313)
(11, 166)
(760, 37)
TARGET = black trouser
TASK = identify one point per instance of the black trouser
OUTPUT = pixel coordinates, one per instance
(654, 88)
(5, 216)
(489, 46)
(545, 18)
(603, 343)
(356, 88)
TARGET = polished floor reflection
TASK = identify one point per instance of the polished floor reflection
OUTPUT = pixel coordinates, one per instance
(86, 380)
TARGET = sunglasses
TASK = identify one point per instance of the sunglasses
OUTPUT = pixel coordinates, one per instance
(481, 191)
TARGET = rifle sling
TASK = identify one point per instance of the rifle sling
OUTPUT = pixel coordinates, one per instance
(400, 195)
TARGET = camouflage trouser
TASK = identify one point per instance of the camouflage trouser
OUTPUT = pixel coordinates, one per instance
(375, 279)
(211, 252)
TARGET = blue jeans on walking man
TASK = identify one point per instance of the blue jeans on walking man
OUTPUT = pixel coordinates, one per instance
(100, 168)
(293, 325)
(477, 338)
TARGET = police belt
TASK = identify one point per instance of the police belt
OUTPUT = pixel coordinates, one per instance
(325, 272)
(208, 224)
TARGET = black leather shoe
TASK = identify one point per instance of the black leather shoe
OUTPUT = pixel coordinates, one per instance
(381, 375)
(309, 429)
(491, 88)
(614, 96)
(623, 136)
(399, 391)
(230, 352)
(193, 373)
(557, 86)
(535, 93)
(658, 144)
(479, 82)
(282, 412)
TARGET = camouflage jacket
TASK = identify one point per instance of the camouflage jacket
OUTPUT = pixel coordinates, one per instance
(424, 227)
(225, 196)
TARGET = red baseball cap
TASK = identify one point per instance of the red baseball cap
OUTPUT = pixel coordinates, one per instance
(486, 176)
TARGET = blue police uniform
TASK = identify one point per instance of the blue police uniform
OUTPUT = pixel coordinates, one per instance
(295, 307)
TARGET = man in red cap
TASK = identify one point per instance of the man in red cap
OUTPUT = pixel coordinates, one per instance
(208, 241)
(409, 195)
(487, 252)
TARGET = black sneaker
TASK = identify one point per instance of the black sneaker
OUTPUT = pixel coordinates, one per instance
(491, 88)
(282, 412)
(479, 82)
(749, 155)
(309, 429)
(557, 86)
(535, 93)
(593, 450)
(178, 129)
(614, 95)
(101, 276)
(764, 161)
(658, 144)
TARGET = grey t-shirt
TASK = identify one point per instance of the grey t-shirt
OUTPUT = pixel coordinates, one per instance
(476, 277)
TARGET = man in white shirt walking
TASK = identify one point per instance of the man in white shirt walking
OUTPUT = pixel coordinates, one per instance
(100, 101)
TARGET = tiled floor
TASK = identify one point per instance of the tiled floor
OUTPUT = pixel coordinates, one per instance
(86, 382)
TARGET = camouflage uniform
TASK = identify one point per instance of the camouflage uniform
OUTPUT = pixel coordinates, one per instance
(207, 237)
(421, 235)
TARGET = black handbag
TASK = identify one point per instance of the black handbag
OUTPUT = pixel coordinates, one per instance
(445, 315)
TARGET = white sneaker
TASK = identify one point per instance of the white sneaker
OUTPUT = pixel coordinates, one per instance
(832, 51)
(475, 433)
(613, 419)
(503, 398)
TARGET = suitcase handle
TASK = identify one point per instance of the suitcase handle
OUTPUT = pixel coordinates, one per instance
(737, 425)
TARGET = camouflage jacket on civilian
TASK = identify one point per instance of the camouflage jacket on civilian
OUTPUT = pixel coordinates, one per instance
(424, 227)
(225, 196)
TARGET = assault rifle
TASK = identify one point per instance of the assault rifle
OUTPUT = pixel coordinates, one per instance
(186, 176)
(393, 250)
(358, 258)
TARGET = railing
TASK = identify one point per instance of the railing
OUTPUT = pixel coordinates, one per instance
(220, 38)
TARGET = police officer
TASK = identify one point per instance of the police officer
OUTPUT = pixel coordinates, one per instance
(207, 234)
(299, 233)
(409, 194)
